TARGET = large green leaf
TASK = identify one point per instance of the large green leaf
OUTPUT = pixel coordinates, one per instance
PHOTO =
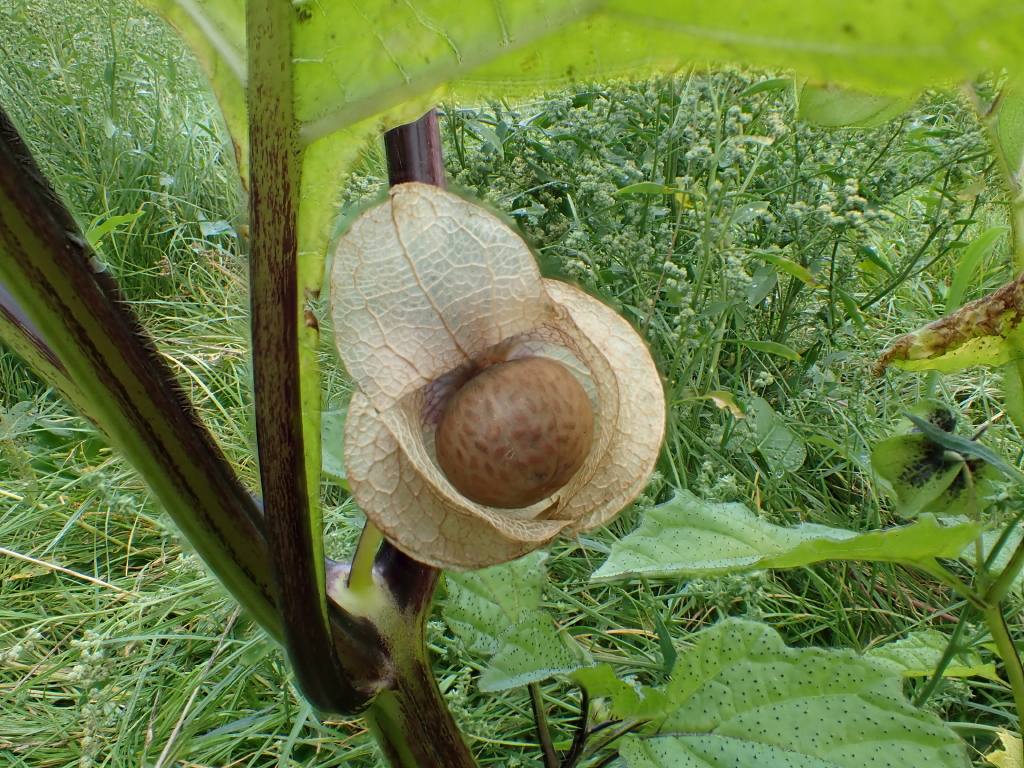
(362, 67)
(496, 613)
(918, 654)
(782, 450)
(741, 698)
(532, 650)
(687, 536)
(771, 347)
(837, 107)
(483, 604)
(709, 750)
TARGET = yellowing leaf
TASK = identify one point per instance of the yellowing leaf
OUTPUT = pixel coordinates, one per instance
(983, 332)
(1012, 753)
(726, 400)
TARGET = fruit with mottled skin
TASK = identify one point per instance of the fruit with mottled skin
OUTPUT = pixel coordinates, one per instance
(515, 433)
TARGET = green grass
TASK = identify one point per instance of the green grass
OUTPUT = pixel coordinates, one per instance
(151, 666)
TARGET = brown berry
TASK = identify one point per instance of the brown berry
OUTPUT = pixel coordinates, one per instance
(515, 433)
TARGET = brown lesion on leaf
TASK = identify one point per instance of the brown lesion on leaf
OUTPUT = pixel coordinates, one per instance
(992, 315)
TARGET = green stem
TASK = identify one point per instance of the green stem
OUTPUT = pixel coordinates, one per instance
(413, 726)
(1008, 651)
(360, 579)
(326, 663)
(952, 648)
(1008, 176)
(547, 746)
(1004, 581)
(22, 336)
(411, 721)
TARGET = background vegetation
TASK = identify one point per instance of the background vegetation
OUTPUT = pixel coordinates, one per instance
(117, 649)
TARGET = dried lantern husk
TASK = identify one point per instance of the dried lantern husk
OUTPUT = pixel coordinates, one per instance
(428, 284)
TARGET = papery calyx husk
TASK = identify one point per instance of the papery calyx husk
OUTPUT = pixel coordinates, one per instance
(427, 284)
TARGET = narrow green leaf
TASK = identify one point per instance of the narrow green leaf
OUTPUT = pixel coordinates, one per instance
(103, 225)
(788, 266)
(968, 263)
(1010, 126)
(646, 188)
(488, 136)
(1013, 392)
(871, 254)
(748, 212)
(332, 441)
(687, 536)
(852, 310)
(774, 84)
(771, 347)
(762, 282)
(1002, 558)
(918, 654)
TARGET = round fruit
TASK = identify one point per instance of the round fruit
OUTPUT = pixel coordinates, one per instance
(515, 433)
